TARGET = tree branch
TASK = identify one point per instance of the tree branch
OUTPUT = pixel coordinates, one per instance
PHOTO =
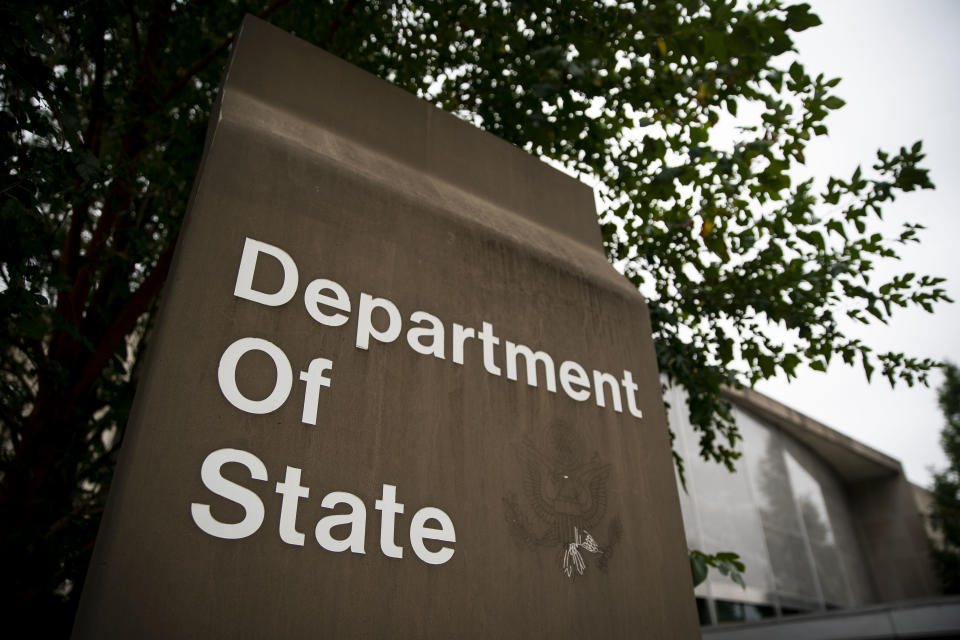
(348, 8)
(201, 64)
(159, 18)
(134, 31)
(94, 131)
(92, 140)
(125, 321)
(64, 346)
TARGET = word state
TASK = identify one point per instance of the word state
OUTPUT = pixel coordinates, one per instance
(354, 522)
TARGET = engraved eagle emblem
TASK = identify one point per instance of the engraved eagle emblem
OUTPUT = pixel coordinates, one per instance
(567, 495)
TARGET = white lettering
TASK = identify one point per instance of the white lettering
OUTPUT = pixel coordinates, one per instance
(215, 482)
(434, 332)
(365, 328)
(631, 389)
(356, 519)
(248, 265)
(227, 376)
(329, 304)
(489, 342)
(291, 491)
(599, 379)
(572, 375)
(460, 335)
(389, 507)
(531, 358)
(419, 531)
(315, 378)
(313, 297)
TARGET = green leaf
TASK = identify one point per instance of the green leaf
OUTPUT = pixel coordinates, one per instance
(789, 363)
(833, 102)
(715, 44)
(736, 577)
(796, 72)
(698, 569)
(800, 18)
(767, 366)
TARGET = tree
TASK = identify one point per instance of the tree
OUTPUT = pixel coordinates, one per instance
(945, 512)
(104, 110)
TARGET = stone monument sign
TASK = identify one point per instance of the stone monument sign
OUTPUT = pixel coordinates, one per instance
(394, 391)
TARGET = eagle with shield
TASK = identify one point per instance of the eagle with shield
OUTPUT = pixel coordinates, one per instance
(566, 492)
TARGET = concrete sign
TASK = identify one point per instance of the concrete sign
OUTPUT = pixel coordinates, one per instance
(395, 390)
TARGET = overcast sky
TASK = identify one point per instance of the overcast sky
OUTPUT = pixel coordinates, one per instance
(898, 61)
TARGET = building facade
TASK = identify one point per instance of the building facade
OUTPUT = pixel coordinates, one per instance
(821, 521)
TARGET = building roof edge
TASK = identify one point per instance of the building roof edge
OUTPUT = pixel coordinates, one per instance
(851, 459)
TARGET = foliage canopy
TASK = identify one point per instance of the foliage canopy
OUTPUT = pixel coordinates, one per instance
(104, 109)
(945, 516)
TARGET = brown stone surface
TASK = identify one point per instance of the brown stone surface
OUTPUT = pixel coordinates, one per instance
(367, 186)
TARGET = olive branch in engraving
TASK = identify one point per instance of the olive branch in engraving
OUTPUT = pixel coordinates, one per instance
(572, 558)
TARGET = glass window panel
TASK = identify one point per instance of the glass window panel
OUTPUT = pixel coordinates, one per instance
(827, 523)
(785, 512)
(728, 520)
(831, 574)
(791, 564)
(823, 501)
(767, 468)
(754, 612)
(703, 612)
(810, 501)
(728, 611)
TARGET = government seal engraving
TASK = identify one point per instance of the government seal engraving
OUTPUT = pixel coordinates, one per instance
(564, 499)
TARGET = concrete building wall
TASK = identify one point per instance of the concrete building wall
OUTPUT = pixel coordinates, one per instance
(893, 537)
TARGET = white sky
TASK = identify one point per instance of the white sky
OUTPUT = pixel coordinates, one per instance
(898, 61)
